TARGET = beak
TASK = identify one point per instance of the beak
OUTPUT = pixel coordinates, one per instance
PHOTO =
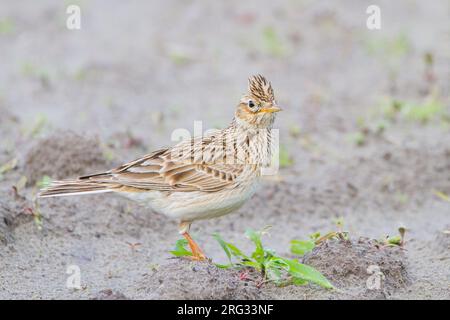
(271, 109)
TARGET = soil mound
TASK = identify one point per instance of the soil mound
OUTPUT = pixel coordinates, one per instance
(182, 279)
(13, 212)
(361, 266)
(63, 155)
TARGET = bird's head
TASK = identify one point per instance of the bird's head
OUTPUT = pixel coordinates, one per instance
(257, 107)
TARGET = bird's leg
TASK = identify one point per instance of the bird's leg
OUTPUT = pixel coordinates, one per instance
(197, 253)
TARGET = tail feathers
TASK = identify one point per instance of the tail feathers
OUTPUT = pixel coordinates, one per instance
(73, 187)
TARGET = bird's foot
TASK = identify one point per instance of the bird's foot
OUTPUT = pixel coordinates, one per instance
(198, 257)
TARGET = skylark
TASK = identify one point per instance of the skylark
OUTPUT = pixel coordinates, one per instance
(199, 178)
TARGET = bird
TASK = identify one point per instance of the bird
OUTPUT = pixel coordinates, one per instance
(202, 177)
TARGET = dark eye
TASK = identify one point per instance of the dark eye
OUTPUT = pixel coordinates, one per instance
(252, 105)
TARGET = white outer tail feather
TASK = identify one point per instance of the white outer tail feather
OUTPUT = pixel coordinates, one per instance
(73, 193)
(74, 187)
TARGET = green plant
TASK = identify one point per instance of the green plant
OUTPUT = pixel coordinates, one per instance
(81, 74)
(391, 50)
(420, 111)
(179, 58)
(301, 247)
(271, 266)
(20, 185)
(394, 241)
(272, 43)
(36, 129)
(31, 70)
(358, 138)
(44, 182)
(285, 158)
(295, 131)
(180, 249)
(35, 212)
(442, 195)
(423, 112)
(266, 262)
(340, 234)
(8, 166)
(6, 26)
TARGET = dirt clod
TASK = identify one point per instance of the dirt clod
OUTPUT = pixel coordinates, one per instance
(442, 241)
(353, 264)
(12, 213)
(181, 279)
(63, 155)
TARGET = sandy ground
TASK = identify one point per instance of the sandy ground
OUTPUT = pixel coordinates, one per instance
(74, 102)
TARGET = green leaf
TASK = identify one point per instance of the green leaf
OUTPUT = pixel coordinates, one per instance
(253, 264)
(285, 158)
(10, 165)
(265, 261)
(223, 266)
(306, 273)
(44, 182)
(274, 274)
(397, 240)
(315, 236)
(236, 252)
(224, 246)
(274, 266)
(299, 282)
(179, 58)
(301, 247)
(180, 249)
(21, 183)
(255, 237)
(442, 195)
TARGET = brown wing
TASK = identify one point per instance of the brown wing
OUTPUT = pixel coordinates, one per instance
(162, 171)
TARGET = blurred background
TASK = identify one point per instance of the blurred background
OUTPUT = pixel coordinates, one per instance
(138, 67)
(364, 134)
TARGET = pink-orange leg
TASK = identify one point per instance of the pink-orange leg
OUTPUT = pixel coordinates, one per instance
(197, 253)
